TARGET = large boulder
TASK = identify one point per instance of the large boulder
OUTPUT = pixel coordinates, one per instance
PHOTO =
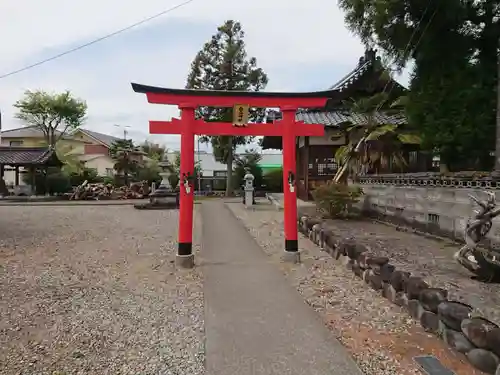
(386, 271)
(376, 261)
(430, 298)
(375, 281)
(476, 330)
(311, 221)
(330, 238)
(415, 309)
(429, 321)
(414, 286)
(493, 340)
(452, 313)
(398, 280)
(370, 260)
(457, 341)
(351, 248)
(483, 360)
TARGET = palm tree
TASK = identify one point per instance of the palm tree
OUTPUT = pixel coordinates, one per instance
(248, 161)
(359, 156)
(122, 151)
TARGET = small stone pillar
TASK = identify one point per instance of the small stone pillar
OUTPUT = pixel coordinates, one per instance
(249, 189)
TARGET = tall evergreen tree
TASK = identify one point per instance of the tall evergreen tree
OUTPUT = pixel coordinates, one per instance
(454, 45)
(223, 64)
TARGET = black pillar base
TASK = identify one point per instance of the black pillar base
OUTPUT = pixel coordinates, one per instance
(292, 245)
(185, 248)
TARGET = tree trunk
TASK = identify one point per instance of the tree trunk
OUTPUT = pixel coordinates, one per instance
(497, 143)
(3, 187)
(229, 177)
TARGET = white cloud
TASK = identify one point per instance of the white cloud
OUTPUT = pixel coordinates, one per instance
(279, 33)
(278, 28)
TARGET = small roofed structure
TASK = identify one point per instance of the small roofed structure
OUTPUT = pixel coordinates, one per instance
(30, 158)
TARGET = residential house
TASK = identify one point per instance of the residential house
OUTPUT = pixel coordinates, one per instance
(90, 147)
(93, 151)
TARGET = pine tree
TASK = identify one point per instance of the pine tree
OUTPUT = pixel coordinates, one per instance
(223, 64)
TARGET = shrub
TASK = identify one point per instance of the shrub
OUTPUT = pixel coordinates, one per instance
(149, 174)
(273, 181)
(54, 182)
(108, 180)
(87, 174)
(336, 200)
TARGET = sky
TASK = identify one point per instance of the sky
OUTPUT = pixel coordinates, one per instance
(302, 46)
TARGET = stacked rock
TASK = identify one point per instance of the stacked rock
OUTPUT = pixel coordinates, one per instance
(476, 337)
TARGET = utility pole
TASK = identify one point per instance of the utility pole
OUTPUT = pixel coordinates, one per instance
(125, 132)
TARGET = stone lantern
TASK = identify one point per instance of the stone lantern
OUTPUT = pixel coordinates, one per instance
(248, 198)
(165, 194)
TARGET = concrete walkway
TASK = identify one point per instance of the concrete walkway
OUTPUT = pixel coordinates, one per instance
(256, 323)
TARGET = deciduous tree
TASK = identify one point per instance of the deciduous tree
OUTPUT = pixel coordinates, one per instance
(54, 114)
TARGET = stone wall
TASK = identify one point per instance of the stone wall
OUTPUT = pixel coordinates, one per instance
(439, 210)
(475, 337)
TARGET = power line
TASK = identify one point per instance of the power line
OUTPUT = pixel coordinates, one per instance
(145, 20)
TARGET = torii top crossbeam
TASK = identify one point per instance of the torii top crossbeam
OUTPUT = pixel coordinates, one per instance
(223, 98)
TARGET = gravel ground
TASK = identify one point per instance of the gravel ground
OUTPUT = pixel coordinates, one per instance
(425, 257)
(93, 290)
(382, 338)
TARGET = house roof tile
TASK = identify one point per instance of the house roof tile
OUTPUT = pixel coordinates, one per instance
(28, 156)
(339, 118)
(24, 132)
(103, 138)
(336, 119)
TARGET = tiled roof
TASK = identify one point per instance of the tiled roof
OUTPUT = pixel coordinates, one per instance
(338, 118)
(352, 77)
(104, 138)
(368, 64)
(27, 156)
(25, 132)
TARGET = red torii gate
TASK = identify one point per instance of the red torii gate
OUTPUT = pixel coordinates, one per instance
(187, 126)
